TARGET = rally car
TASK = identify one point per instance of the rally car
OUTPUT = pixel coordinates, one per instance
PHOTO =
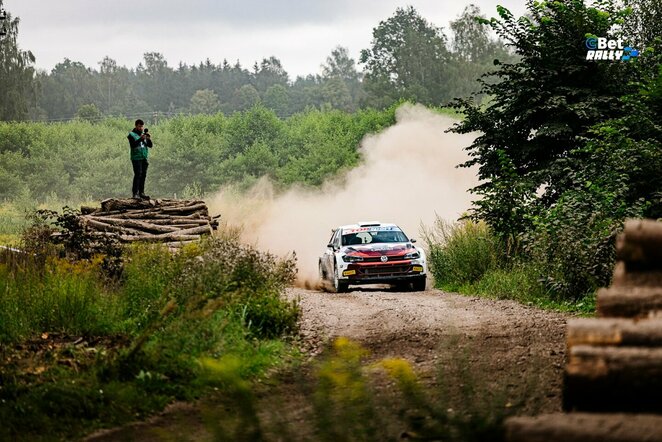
(372, 253)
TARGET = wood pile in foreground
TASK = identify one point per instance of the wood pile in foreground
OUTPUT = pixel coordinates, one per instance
(168, 221)
(613, 378)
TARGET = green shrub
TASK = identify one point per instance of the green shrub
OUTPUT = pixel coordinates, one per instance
(574, 241)
(461, 252)
(151, 326)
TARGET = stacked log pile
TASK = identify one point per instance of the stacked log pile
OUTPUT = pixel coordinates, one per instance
(173, 222)
(615, 360)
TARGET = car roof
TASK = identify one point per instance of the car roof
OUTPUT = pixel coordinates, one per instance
(360, 225)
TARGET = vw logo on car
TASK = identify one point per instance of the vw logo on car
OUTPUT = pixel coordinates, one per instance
(372, 253)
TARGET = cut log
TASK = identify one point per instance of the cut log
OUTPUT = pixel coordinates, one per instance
(640, 244)
(104, 227)
(626, 277)
(185, 209)
(610, 379)
(614, 332)
(160, 220)
(170, 237)
(173, 221)
(585, 427)
(135, 224)
(85, 210)
(629, 302)
(125, 204)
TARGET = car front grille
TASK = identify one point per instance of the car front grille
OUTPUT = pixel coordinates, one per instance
(387, 269)
(379, 258)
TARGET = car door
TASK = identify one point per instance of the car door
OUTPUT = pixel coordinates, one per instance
(327, 260)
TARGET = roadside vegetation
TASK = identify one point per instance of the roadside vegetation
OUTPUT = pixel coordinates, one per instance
(97, 341)
(467, 257)
(568, 149)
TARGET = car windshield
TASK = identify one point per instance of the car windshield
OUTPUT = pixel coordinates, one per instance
(373, 237)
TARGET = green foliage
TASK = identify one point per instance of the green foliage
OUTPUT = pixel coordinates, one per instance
(407, 60)
(358, 399)
(473, 52)
(468, 258)
(151, 327)
(62, 297)
(461, 252)
(17, 87)
(205, 101)
(80, 160)
(644, 23)
(410, 59)
(89, 112)
(541, 106)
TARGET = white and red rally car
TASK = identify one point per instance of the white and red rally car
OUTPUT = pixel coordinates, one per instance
(372, 253)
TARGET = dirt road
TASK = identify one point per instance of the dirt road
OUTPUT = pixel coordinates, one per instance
(506, 341)
(501, 346)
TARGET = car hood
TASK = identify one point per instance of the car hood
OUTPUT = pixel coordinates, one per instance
(388, 249)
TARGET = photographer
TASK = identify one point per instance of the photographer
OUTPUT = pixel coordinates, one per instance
(140, 142)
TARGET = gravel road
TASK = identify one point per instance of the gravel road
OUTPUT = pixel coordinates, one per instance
(504, 340)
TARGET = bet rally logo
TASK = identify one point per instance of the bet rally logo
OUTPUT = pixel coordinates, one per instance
(603, 49)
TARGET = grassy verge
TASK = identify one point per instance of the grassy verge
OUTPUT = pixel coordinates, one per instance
(16, 215)
(466, 258)
(82, 347)
(12, 221)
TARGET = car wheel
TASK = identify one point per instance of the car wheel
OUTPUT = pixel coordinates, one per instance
(340, 287)
(419, 284)
(321, 270)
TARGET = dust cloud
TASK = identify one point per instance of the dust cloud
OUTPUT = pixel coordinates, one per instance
(407, 176)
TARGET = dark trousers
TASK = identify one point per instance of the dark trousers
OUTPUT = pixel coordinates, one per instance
(139, 175)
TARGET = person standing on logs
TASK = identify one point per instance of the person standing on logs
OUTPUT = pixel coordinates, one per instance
(140, 141)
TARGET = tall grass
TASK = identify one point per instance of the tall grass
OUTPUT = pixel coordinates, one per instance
(152, 325)
(466, 257)
(461, 252)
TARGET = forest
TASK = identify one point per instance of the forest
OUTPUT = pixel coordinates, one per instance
(72, 90)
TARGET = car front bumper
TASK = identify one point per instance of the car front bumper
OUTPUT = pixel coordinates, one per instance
(375, 273)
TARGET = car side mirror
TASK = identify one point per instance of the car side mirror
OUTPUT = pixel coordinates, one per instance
(330, 246)
(412, 240)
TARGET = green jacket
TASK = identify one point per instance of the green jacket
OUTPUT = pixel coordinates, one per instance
(139, 148)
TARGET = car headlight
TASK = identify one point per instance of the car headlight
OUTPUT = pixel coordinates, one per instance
(348, 258)
(413, 255)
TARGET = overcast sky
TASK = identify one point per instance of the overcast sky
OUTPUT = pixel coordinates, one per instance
(301, 33)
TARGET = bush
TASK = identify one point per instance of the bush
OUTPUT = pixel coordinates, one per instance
(461, 252)
(574, 241)
(138, 334)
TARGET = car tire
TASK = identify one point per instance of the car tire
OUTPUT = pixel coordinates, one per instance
(419, 284)
(321, 270)
(339, 287)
